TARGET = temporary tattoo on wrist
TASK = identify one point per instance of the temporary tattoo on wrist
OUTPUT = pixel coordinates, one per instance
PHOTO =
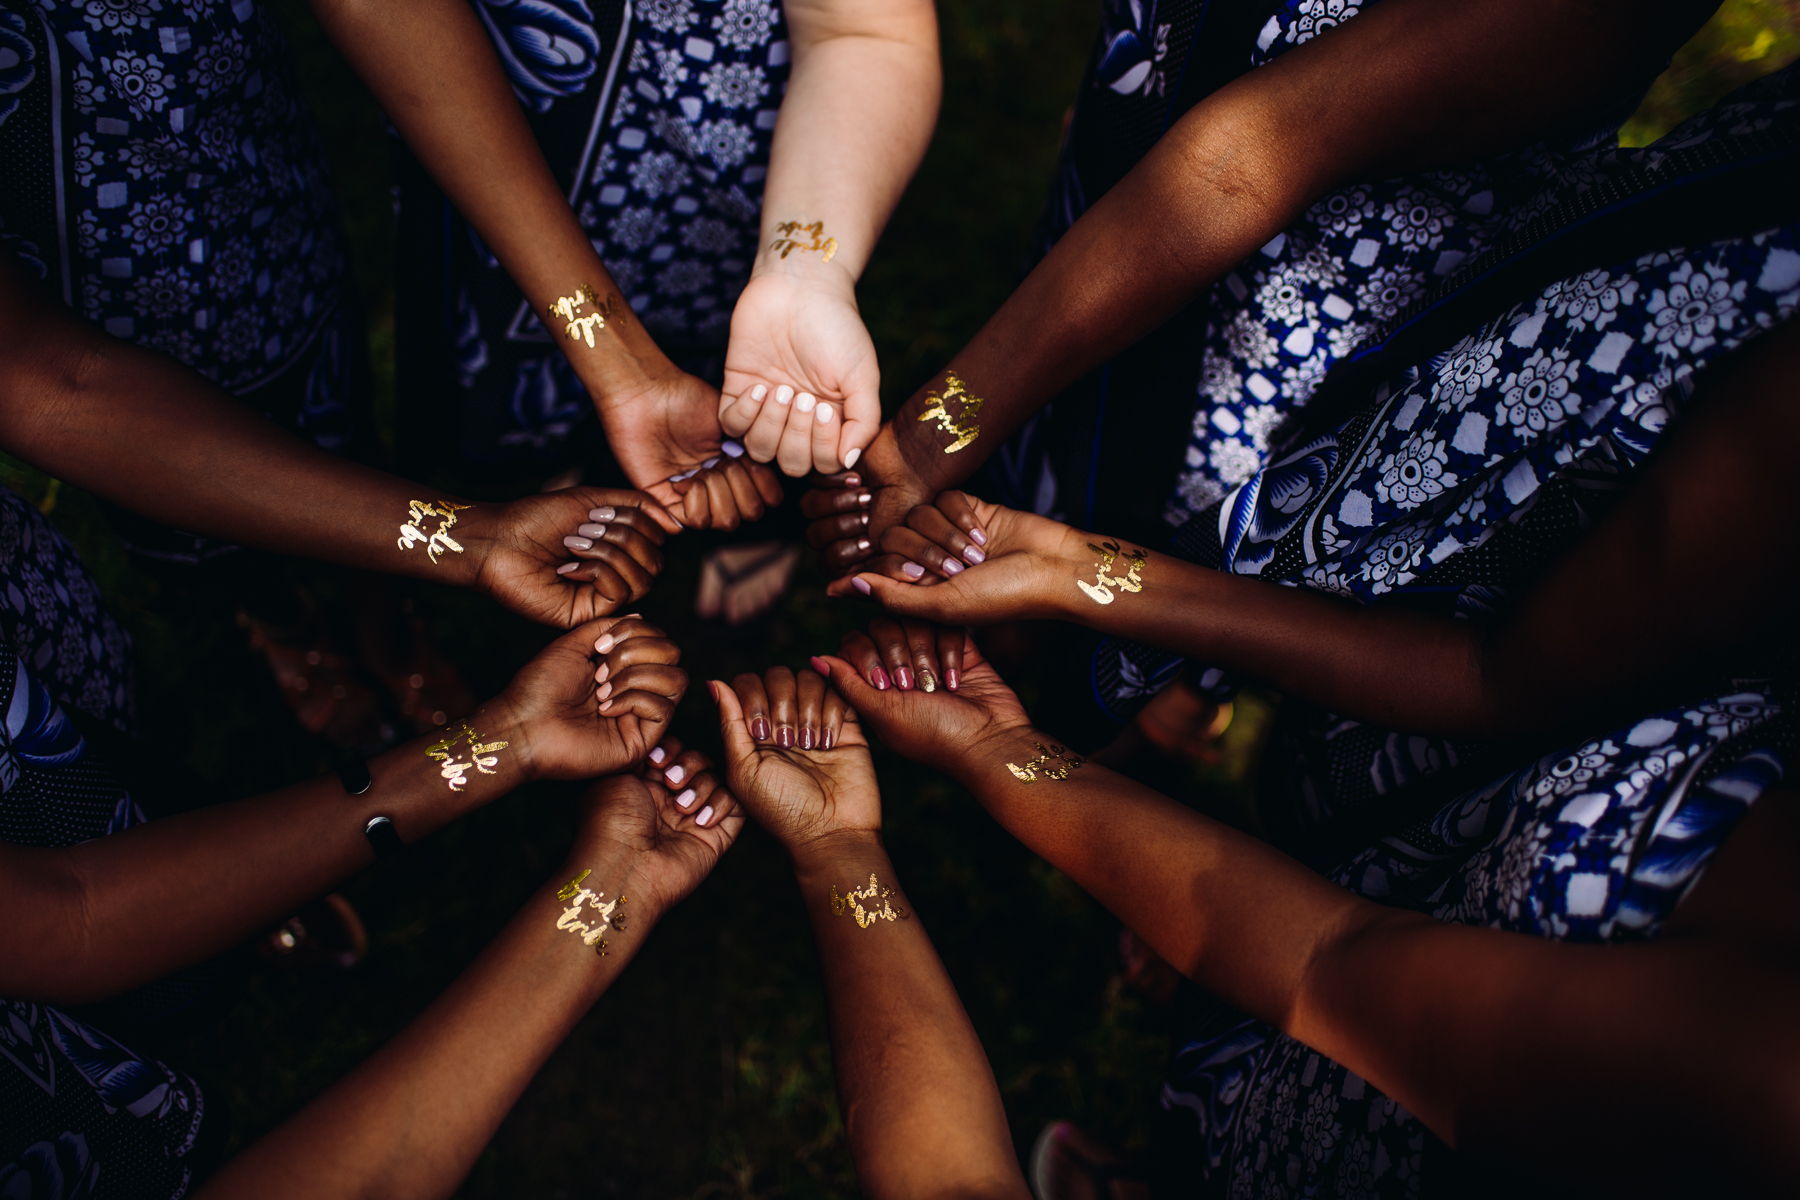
(792, 235)
(482, 756)
(582, 328)
(436, 543)
(963, 428)
(1100, 591)
(590, 930)
(1040, 766)
(866, 917)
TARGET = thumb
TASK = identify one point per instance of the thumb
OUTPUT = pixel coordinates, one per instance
(736, 734)
(862, 421)
(907, 599)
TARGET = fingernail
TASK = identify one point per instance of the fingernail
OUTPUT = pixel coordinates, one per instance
(853, 480)
(825, 739)
(605, 704)
(578, 543)
(864, 498)
(783, 394)
(903, 677)
(591, 531)
(805, 401)
(980, 537)
(859, 583)
(712, 686)
(952, 567)
(808, 739)
(952, 679)
(605, 690)
(850, 458)
(605, 644)
(862, 544)
(879, 678)
(865, 520)
(823, 416)
(686, 798)
(973, 555)
(821, 666)
(758, 392)
(704, 816)
(674, 774)
(602, 673)
(784, 737)
(927, 681)
(657, 754)
(735, 449)
(710, 463)
(912, 570)
(604, 513)
(759, 729)
(568, 568)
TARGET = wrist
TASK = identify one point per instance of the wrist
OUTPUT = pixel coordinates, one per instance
(519, 765)
(838, 851)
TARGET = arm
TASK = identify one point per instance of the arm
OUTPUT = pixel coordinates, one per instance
(858, 113)
(1406, 86)
(1675, 1050)
(88, 921)
(432, 67)
(388, 1130)
(910, 1071)
(1716, 503)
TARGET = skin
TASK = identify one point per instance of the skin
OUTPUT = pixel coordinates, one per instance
(859, 109)
(434, 71)
(75, 933)
(1407, 86)
(386, 1129)
(910, 1070)
(1715, 503)
(83, 407)
(1663, 1068)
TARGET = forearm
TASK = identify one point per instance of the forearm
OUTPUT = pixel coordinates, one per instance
(411, 1121)
(910, 1070)
(94, 919)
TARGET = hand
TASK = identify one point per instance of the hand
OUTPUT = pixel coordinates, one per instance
(796, 335)
(666, 851)
(665, 433)
(902, 653)
(573, 720)
(850, 512)
(612, 536)
(939, 727)
(799, 796)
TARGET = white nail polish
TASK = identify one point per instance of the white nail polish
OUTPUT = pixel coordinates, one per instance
(674, 774)
(657, 754)
(783, 394)
(805, 401)
(686, 798)
(823, 416)
(850, 458)
(758, 392)
(704, 816)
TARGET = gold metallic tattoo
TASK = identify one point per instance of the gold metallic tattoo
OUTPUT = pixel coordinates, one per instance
(963, 428)
(1039, 766)
(435, 544)
(591, 932)
(787, 242)
(483, 756)
(582, 328)
(866, 917)
(1100, 591)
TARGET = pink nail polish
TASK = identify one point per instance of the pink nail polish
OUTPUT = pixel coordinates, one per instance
(853, 481)
(806, 739)
(980, 537)
(602, 673)
(953, 678)
(657, 754)
(686, 798)
(568, 568)
(705, 815)
(605, 690)
(952, 567)
(879, 678)
(973, 555)
(591, 530)
(605, 512)
(759, 729)
(903, 677)
(821, 666)
(675, 774)
(912, 570)
(861, 585)
(825, 739)
(578, 543)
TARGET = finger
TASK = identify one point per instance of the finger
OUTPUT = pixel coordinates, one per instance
(745, 498)
(830, 502)
(654, 678)
(636, 652)
(737, 413)
(732, 730)
(779, 681)
(896, 651)
(832, 721)
(920, 553)
(721, 502)
(921, 641)
(617, 630)
(627, 528)
(839, 557)
(763, 438)
(950, 639)
(662, 753)
(653, 709)
(825, 437)
(768, 483)
(696, 503)
(860, 651)
(852, 525)
(901, 569)
(709, 800)
(681, 772)
(936, 528)
(857, 696)
(603, 579)
(901, 599)
(627, 568)
(753, 700)
(809, 704)
(795, 451)
(639, 514)
(862, 421)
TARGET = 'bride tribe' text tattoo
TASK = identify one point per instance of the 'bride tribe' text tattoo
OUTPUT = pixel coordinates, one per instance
(482, 755)
(591, 931)
(963, 428)
(1039, 766)
(792, 235)
(435, 544)
(582, 328)
(866, 917)
(1100, 591)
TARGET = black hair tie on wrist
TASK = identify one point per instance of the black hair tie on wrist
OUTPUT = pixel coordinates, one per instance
(380, 829)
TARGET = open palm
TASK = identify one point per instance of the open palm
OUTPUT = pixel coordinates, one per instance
(800, 796)
(668, 853)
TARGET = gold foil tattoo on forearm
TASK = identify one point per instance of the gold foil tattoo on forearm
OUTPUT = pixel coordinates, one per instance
(590, 915)
(476, 755)
(1100, 591)
(581, 328)
(1039, 767)
(792, 235)
(852, 900)
(420, 511)
(963, 426)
